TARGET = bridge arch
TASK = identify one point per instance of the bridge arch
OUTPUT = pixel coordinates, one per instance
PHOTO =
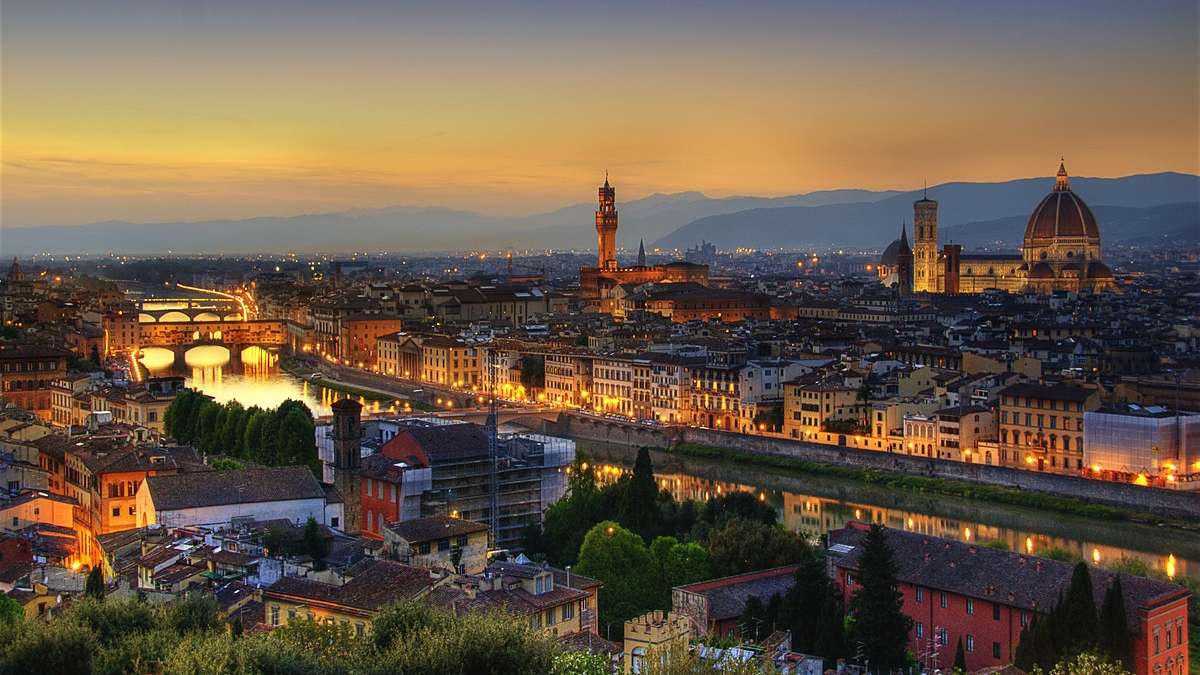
(174, 315)
(147, 318)
(207, 316)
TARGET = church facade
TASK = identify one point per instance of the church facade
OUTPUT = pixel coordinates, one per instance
(1060, 252)
(597, 282)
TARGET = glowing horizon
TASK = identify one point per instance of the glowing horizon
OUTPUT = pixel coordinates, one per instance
(147, 111)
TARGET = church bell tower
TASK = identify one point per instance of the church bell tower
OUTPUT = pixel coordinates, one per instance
(347, 457)
(606, 227)
(926, 273)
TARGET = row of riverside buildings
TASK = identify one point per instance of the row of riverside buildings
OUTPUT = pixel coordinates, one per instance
(994, 409)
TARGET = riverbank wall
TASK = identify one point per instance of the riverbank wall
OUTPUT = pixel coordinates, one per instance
(1157, 501)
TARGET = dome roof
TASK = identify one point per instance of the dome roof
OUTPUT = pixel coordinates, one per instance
(891, 254)
(1061, 214)
(1098, 270)
(1041, 271)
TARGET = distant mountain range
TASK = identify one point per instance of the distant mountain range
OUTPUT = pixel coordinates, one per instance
(973, 213)
(402, 228)
(1118, 224)
(878, 222)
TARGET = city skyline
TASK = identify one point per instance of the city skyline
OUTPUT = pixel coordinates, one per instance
(148, 113)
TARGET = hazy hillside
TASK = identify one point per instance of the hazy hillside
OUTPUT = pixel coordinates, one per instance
(832, 217)
(406, 229)
(657, 215)
(1117, 224)
(869, 224)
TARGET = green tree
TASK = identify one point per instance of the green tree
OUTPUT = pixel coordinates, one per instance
(1114, 625)
(252, 438)
(229, 428)
(315, 543)
(676, 564)
(204, 422)
(194, 613)
(812, 608)
(267, 443)
(1085, 663)
(960, 657)
(579, 663)
(880, 627)
(11, 611)
(738, 504)
(94, 587)
(296, 443)
(686, 563)
(239, 441)
(639, 512)
(60, 647)
(569, 519)
(744, 546)
(178, 417)
(619, 558)
(398, 622)
(1080, 626)
(109, 621)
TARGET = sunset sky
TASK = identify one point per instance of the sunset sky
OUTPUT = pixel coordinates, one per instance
(162, 110)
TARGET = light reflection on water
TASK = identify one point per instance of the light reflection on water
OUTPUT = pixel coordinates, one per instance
(813, 515)
(258, 380)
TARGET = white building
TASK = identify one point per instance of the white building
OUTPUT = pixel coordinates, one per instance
(1143, 442)
(223, 497)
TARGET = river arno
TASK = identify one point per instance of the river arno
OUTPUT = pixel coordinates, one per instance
(253, 379)
(812, 505)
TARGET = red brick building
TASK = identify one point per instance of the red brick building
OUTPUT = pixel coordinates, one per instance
(382, 477)
(986, 596)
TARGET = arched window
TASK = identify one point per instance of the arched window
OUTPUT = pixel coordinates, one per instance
(639, 659)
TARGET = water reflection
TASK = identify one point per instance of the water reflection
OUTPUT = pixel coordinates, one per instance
(252, 378)
(814, 514)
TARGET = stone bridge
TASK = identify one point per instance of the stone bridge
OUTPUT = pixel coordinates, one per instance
(208, 314)
(228, 333)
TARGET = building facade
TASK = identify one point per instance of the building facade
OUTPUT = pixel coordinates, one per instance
(1060, 252)
(595, 282)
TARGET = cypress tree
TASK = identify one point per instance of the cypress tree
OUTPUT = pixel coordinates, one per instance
(94, 586)
(880, 626)
(1080, 626)
(1023, 655)
(960, 658)
(810, 604)
(640, 510)
(830, 640)
(1114, 625)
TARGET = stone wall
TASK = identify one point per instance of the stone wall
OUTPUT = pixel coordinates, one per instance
(1172, 503)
